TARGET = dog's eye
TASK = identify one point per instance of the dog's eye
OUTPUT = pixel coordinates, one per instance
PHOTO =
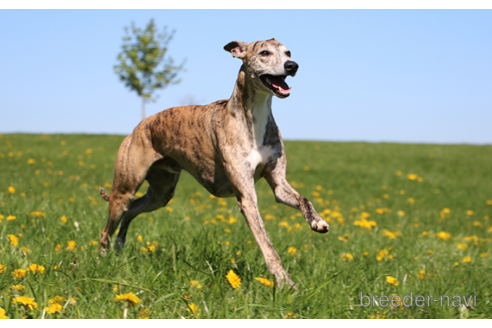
(287, 53)
(265, 53)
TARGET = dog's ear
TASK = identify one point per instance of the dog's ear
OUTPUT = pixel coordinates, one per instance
(237, 49)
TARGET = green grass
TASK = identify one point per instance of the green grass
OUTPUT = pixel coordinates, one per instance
(192, 243)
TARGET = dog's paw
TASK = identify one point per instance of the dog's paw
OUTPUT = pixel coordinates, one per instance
(320, 226)
(118, 246)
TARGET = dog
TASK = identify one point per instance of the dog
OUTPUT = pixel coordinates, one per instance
(226, 146)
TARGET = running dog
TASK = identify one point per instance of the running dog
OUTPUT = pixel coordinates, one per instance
(226, 146)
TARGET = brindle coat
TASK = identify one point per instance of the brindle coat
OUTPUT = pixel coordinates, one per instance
(226, 146)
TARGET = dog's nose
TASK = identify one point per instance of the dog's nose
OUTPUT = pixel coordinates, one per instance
(291, 67)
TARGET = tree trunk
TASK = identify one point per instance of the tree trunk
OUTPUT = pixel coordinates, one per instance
(143, 108)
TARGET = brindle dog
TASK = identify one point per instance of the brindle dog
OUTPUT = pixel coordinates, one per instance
(226, 146)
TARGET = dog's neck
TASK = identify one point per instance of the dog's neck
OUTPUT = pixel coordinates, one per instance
(254, 106)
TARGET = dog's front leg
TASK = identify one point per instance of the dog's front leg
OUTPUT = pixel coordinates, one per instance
(246, 196)
(275, 174)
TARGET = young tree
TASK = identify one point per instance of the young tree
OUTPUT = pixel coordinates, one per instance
(143, 64)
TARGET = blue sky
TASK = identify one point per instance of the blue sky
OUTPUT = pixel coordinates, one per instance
(420, 76)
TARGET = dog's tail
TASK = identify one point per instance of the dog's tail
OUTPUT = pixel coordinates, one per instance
(103, 194)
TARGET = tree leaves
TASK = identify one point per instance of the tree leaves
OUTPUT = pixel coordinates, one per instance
(144, 65)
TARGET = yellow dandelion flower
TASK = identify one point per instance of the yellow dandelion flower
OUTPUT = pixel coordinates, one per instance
(478, 224)
(412, 176)
(233, 279)
(11, 218)
(144, 314)
(14, 240)
(129, 299)
(31, 161)
(470, 212)
(151, 247)
(194, 309)
(228, 230)
(3, 268)
(392, 280)
(57, 299)
(53, 308)
(37, 214)
(382, 254)
(36, 268)
(2, 314)
(484, 255)
(17, 287)
(283, 224)
(195, 284)
(64, 219)
(365, 254)
(391, 235)
(140, 238)
(10, 190)
(402, 192)
(71, 245)
(18, 273)
(290, 315)
(472, 238)
(489, 202)
(93, 243)
(57, 248)
(266, 282)
(443, 235)
(430, 251)
(364, 223)
(27, 302)
(395, 300)
(291, 250)
(401, 213)
(411, 200)
(347, 257)
(466, 259)
(462, 246)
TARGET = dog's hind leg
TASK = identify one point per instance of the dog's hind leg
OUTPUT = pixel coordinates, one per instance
(133, 161)
(286, 194)
(160, 192)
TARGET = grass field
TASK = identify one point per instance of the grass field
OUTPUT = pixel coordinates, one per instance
(405, 220)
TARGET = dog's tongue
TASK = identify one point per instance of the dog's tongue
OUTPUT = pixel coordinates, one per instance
(278, 83)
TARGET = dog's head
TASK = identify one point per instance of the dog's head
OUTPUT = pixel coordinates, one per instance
(267, 63)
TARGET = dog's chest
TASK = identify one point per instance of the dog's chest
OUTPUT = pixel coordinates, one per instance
(260, 154)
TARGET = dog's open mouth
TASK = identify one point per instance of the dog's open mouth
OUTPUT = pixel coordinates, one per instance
(276, 84)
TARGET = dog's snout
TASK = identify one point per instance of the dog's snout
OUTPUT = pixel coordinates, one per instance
(291, 67)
